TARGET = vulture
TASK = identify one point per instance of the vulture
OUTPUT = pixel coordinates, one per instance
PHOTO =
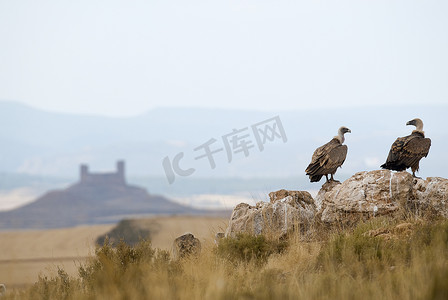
(407, 151)
(327, 158)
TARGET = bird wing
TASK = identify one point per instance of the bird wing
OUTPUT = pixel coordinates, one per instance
(414, 149)
(326, 157)
(396, 149)
(336, 157)
(409, 149)
(323, 150)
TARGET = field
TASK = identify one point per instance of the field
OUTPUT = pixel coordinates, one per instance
(379, 259)
(26, 254)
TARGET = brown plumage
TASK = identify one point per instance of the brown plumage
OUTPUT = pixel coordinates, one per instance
(407, 151)
(327, 158)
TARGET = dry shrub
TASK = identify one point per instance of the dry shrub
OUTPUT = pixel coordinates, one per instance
(249, 248)
(347, 264)
(127, 230)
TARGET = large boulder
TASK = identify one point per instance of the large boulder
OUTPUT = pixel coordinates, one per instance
(286, 211)
(365, 195)
(381, 192)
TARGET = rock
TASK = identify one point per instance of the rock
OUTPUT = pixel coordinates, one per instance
(186, 245)
(326, 187)
(365, 195)
(431, 196)
(286, 211)
(296, 195)
(379, 193)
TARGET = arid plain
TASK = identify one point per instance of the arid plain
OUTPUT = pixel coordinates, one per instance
(24, 255)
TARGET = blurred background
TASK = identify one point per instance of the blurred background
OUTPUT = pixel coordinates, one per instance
(94, 82)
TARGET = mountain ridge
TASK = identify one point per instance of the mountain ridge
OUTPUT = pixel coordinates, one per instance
(45, 143)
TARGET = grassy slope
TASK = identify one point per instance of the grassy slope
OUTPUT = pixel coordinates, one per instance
(375, 260)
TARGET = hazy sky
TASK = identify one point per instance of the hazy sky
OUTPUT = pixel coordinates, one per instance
(126, 57)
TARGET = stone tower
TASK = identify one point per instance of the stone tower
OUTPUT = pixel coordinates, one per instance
(114, 178)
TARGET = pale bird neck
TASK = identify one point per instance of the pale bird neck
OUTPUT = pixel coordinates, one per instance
(340, 137)
(419, 127)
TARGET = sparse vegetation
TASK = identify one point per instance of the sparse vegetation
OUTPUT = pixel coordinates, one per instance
(249, 248)
(374, 260)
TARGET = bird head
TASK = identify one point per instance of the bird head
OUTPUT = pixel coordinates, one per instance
(416, 122)
(344, 129)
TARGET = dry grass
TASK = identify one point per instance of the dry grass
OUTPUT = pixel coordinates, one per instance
(409, 262)
(204, 228)
(26, 254)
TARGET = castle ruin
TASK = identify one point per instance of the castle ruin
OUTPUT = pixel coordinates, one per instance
(115, 178)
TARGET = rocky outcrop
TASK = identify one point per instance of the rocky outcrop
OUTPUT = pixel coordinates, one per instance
(286, 211)
(431, 196)
(379, 193)
(365, 195)
(186, 245)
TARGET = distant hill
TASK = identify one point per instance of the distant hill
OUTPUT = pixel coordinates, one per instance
(47, 143)
(95, 199)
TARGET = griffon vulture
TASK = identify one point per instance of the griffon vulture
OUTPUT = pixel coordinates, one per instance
(327, 158)
(407, 151)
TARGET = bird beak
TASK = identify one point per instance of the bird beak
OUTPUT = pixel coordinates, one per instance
(348, 130)
(409, 123)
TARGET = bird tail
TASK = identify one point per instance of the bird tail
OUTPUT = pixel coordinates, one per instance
(393, 166)
(315, 178)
